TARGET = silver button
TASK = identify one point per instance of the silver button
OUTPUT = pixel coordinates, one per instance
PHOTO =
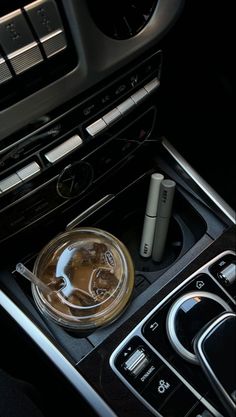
(47, 23)
(63, 149)
(9, 182)
(152, 85)
(5, 73)
(112, 116)
(137, 362)
(96, 127)
(18, 42)
(126, 105)
(139, 95)
(28, 171)
(228, 274)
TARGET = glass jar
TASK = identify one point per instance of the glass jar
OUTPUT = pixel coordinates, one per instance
(91, 275)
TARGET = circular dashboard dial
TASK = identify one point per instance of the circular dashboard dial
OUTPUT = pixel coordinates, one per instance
(74, 179)
(121, 19)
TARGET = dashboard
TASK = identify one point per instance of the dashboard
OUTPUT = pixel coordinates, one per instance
(94, 57)
(80, 135)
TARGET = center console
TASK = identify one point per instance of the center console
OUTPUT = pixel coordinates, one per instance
(157, 361)
(85, 159)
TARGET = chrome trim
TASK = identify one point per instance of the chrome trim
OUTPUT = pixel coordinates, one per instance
(125, 106)
(90, 210)
(170, 322)
(152, 85)
(137, 331)
(9, 182)
(28, 171)
(59, 360)
(139, 95)
(96, 127)
(36, 3)
(198, 348)
(208, 190)
(51, 35)
(112, 116)
(22, 50)
(11, 15)
(63, 149)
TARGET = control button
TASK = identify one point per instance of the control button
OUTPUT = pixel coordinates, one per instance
(96, 127)
(47, 23)
(224, 270)
(179, 403)
(5, 73)
(161, 387)
(139, 95)
(112, 116)
(152, 85)
(28, 171)
(126, 105)
(228, 275)
(155, 332)
(136, 362)
(18, 42)
(204, 282)
(9, 182)
(63, 149)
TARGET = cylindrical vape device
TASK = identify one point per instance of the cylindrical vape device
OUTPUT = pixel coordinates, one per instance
(150, 215)
(164, 210)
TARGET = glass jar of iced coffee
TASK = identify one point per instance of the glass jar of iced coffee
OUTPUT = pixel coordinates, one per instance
(91, 277)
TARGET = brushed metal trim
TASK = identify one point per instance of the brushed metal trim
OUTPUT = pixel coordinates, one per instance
(63, 149)
(90, 210)
(51, 35)
(28, 171)
(208, 190)
(96, 127)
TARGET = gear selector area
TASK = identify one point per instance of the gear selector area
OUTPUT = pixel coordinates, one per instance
(158, 361)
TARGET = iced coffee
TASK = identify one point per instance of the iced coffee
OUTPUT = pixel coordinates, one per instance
(91, 275)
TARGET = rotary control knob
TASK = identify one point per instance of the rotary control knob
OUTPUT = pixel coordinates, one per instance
(187, 316)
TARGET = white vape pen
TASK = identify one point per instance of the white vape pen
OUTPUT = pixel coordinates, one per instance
(150, 215)
(167, 191)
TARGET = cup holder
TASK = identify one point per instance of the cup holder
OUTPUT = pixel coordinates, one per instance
(130, 234)
(124, 218)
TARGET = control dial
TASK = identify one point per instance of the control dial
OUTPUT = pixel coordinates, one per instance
(187, 316)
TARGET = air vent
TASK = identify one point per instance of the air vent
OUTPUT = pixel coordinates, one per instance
(121, 19)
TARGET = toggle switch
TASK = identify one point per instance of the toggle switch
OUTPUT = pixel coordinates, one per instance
(46, 21)
(136, 362)
(18, 42)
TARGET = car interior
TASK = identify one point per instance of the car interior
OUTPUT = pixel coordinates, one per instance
(116, 128)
